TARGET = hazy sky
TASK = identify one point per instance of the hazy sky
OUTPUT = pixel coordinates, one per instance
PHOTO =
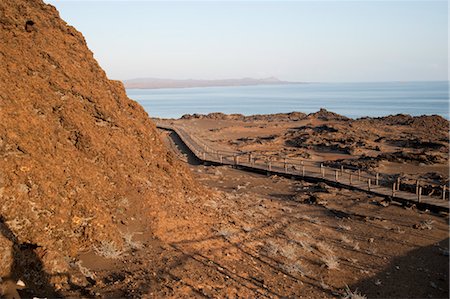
(292, 40)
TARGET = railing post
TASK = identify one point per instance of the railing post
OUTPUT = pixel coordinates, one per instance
(204, 152)
(417, 187)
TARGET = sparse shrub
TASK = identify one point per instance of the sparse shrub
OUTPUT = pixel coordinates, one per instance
(323, 285)
(288, 252)
(346, 240)
(296, 235)
(108, 249)
(211, 203)
(124, 202)
(272, 248)
(295, 268)
(128, 238)
(305, 245)
(17, 224)
(324, 248)
(352, 295)
(398, 230)
(331, 261)
(344, 227)
(286, 209)
(225, 233)
(85, 271)
(349, 241)
(371, 251)
(427, 224)
(310, 219)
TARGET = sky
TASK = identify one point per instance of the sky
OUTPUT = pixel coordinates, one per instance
(306, 41)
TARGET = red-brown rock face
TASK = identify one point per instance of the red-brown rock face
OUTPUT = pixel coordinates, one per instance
(75, 152)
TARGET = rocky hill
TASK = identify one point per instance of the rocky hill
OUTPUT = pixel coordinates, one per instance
(322, 114)
(75, 153)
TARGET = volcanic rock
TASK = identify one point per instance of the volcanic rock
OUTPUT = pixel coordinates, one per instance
(75, 152)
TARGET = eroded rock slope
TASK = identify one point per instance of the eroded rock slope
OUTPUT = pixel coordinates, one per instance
(75, 152)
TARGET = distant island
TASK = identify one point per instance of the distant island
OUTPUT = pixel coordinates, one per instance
(153, 83)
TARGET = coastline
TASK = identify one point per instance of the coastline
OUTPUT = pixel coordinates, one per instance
(353, 100)
(416, 146)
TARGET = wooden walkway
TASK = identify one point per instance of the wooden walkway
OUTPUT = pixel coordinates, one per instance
(355, 179)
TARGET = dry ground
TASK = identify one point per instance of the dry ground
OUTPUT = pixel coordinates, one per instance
(288, 247)
(411, 147)
(276, 237)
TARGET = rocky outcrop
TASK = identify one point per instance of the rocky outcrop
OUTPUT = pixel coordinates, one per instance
(324, 114)
(75, 153)
(292, 116)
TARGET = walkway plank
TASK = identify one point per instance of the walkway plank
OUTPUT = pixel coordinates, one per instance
(306, 170)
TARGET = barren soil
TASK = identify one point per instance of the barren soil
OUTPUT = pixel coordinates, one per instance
(274, 237)
(400, 145)
(291, 238)
(92, 204)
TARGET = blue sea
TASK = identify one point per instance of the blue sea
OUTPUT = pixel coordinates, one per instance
(350, 99)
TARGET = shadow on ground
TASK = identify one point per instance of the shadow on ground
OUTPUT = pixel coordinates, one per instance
(425, 268)
(183, 149)
(26, 266)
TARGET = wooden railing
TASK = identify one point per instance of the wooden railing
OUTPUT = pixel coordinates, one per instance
(360, 179)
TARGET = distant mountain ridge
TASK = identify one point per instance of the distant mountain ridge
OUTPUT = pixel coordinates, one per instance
(153, 83)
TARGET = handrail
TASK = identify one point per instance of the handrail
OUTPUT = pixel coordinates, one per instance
(287, 165)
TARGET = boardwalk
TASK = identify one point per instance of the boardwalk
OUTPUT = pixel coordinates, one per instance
(374, 183)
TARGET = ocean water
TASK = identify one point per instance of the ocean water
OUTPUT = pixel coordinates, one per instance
(350, 99)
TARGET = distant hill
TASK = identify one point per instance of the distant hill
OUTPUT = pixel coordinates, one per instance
(173, 83)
